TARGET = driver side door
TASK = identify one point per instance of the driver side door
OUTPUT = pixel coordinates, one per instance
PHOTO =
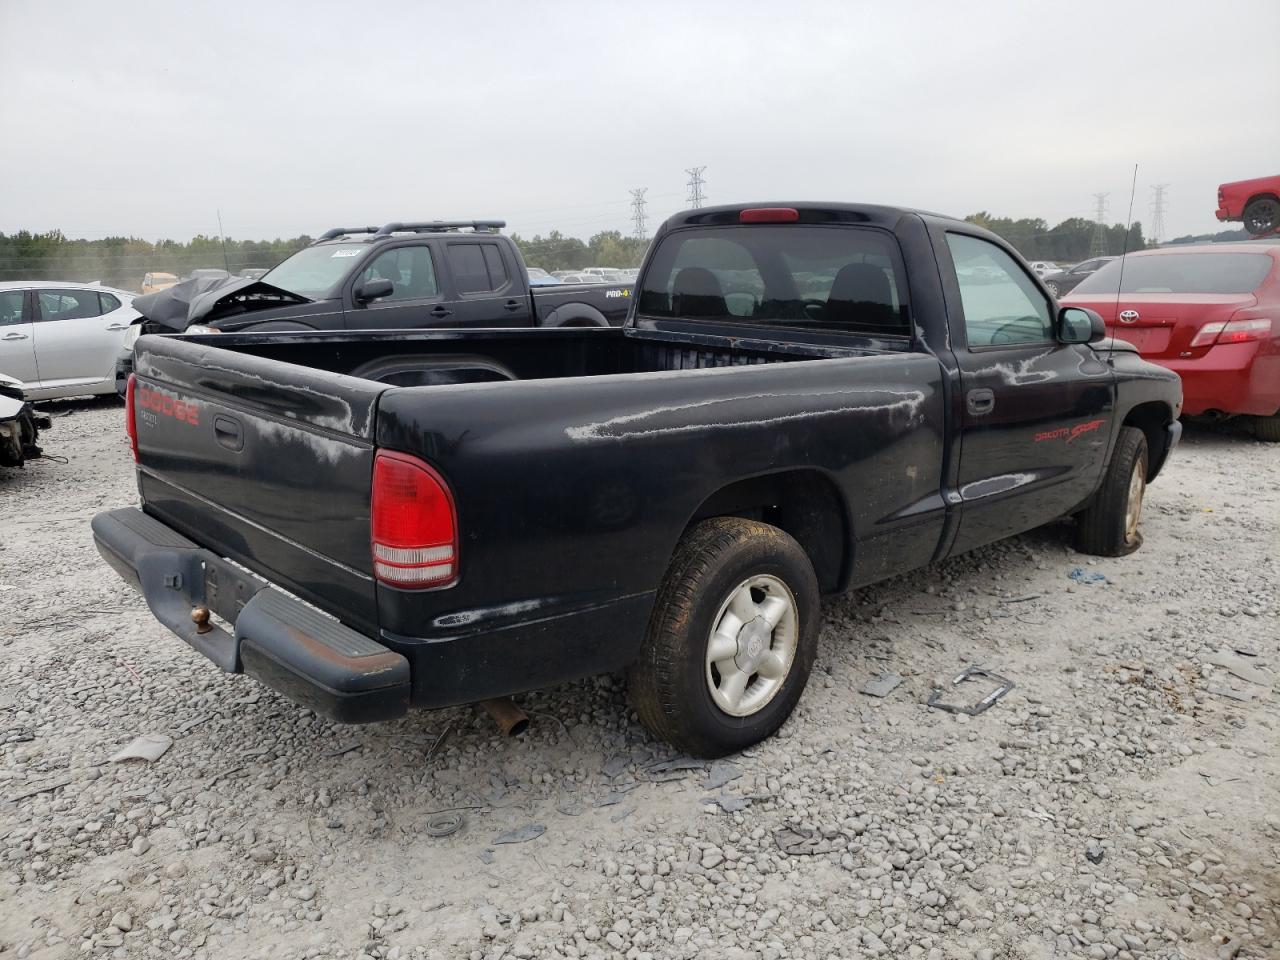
(1035, 414)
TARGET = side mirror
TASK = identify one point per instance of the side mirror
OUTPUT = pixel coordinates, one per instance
(374, 289)
(1079, 325)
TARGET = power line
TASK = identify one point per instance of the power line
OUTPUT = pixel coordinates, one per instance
(637, 211)
(696, 197)
(1098, 246)
(1157, 212)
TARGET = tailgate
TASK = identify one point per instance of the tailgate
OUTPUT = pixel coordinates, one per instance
(263, 462)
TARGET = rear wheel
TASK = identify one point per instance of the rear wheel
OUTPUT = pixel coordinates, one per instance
(1262, 215)
(1109, 526)
(1267, 428)
(731, 641)
(1053, 287)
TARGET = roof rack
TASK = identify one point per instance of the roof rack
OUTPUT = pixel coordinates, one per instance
(440, 226)
(343, 231)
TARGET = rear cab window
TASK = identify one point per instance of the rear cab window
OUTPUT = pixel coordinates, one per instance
(826, 278)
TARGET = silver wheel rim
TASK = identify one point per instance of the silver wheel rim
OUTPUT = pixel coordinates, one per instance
(1133, 508)
(752, 645)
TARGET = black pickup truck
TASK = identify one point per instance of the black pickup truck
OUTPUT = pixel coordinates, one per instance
(805, 398)
(459, 273)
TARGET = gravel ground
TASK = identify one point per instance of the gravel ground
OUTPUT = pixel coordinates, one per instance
(1116, 804)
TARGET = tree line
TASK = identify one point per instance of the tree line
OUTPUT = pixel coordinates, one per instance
(122, 261)
(1069, 242)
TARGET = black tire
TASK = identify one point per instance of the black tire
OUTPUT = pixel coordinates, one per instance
(1262, 215)
(1104, 527)
(1267, 428)
(669, 685)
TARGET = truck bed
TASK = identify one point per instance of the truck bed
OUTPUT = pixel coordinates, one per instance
(619, 427)
(441, 357)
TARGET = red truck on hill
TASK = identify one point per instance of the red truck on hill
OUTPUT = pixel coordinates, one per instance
(1256, 202)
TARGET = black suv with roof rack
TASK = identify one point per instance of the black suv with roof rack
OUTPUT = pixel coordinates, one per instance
(400, 276)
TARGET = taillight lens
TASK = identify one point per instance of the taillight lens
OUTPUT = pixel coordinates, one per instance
(769, 215)
(1232, 331)
(130, 427)
(414, 528)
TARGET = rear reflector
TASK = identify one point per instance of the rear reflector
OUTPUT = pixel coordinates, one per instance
(130, 427)
(1234, 331)
(769, 215)
(414, 526)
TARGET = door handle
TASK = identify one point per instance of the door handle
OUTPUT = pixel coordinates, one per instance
(118, 326)
(980, 402)
(511, 305)
(228, 432)
(15, 336)
(440, 311)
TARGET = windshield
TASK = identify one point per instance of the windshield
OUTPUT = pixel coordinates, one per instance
(315, 271)
(845, 278)
(1181, 273)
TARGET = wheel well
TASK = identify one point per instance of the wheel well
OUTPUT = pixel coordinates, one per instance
(804, 503)
(1260, 196)
(575, 315)
(1151, 418)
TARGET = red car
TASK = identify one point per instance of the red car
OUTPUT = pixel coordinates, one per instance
(1256, 202)
(1210, 313)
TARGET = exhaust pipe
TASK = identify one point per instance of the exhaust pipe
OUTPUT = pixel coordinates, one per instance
(511, 720)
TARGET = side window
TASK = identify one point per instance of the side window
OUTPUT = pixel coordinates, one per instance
(1002, 307)
(11, 307)
(470, 273)
(411, 271)
(69, 304)
(108, 302)
(497, 269)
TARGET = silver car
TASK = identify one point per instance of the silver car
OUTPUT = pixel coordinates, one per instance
(61, 339)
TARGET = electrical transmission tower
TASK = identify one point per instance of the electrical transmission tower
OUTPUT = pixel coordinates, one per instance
(1099, 245)
(638, 216)
(696, 197)
(1157, 212)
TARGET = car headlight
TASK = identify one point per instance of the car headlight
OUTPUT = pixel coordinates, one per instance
(131, 335)
(201, 328)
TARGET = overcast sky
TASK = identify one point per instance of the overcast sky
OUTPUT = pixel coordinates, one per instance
(145, 119)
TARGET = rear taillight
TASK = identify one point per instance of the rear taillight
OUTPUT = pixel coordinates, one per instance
(1232, 331)
(414, 527)
(130, 427)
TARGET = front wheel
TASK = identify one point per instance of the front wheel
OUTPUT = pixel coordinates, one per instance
(1109, 526)
(1053, 287)
(1262, 216)
(731, 640)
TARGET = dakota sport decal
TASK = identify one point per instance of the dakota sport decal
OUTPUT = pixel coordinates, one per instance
(1069, 433)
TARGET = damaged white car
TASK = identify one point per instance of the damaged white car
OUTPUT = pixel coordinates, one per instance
(20, 425)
